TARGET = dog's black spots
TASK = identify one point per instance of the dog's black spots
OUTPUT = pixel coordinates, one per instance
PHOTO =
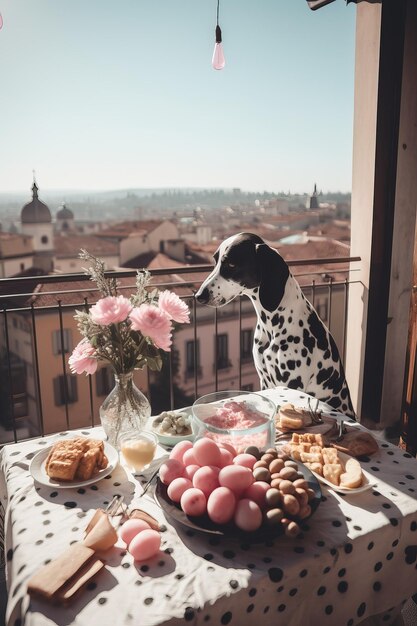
(275, 347)
(284, 347)
(326, 354)
(297, 339)
(344, 394)
(284, 332)
(335, 402)
(324, 375)
(290, 319)
(274, 319)
(295, 383)
(290, 338)
(262, 349)
(335, 351)
(258, 327)
(291, 364)
(283, 366)
(263, 316)
(298, 363)
(300, 323)
(318, 330)
(308, 360)
(304, 352)
(319, 365)
(308, 341)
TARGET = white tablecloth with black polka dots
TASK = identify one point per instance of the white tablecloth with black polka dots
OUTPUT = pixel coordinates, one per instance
(357, 556)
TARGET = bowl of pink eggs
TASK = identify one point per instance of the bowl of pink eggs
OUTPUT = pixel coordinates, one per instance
(239, 418)
(214, 488)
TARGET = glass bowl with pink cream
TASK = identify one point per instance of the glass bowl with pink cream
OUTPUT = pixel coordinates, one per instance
(239, 418)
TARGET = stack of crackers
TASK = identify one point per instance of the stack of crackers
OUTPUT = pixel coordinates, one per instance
(309, 449)
(76, 459)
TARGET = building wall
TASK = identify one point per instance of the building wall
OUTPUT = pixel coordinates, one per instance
(10, 267)
(73, 264)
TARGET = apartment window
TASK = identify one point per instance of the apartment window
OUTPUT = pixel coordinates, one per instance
(65, 342)
(246, 342)
(222, 352)
(22, 267)
(104, 381)
(70, 394)
(192, 350)
(44, 239)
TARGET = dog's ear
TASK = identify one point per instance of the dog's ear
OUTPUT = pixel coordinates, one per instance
(274, 273)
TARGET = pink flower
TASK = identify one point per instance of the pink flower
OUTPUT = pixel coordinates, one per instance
(82, 360)
(174, 307)
(152, 323)
(110, 310)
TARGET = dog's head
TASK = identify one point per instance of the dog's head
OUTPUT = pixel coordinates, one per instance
(245, 263)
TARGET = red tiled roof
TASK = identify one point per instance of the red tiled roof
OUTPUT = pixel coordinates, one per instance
(69, 245)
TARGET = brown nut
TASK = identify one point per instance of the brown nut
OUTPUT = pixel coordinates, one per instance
(290, 463)
(272, 451)
(276, 482)
(283, 455)
(305, 512)
(292, 529)
(261, 473)
(276, 466)
(273, 497)
(288, 473)
(254, 451)
(267, 458)
(290, 504)
(302, 497)
(301, 483)
(311, 494)
(260, 464)
(273, 516)
(275, 475)
(286, 486)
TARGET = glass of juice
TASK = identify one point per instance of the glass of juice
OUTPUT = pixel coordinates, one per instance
(138, 449)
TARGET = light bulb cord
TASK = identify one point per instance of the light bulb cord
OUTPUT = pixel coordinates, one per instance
(218, 29)
(218, 6)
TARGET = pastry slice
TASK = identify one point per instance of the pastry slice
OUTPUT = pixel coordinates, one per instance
(332, 472)
(330, 455)
(315, 467)
(352, 476)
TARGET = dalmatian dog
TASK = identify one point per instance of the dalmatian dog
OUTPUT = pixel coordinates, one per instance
(292, 346)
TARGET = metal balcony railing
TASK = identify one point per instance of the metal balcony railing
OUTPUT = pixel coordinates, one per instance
(25, 353)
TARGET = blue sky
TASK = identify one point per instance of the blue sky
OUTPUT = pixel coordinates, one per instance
(108, 95)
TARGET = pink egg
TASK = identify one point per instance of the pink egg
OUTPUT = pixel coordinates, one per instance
(193, 502)
(131, 528)
(226, 457)
(246, 460)
(256, 492)
(206, 478)
(221, 505)
(189, 458)
(177, 488)
(190, 470)
(206, 452)
(170, 470)
(236, 478)
(248, 515)
(179, 449)
(229, 447)
(145, 545)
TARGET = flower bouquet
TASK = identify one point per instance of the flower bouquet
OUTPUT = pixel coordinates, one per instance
(126, 333)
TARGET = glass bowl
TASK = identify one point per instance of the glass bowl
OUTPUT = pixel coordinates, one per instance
(239, 418)
(138, 449)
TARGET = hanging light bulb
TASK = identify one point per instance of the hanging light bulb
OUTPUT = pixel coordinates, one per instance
(1, 21)
(218, 60)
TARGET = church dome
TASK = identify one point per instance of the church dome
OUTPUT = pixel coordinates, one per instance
(35, 212)
(64, 213)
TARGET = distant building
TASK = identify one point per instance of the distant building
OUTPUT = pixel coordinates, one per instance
(64, 219)
(314, 200)
(16, 253)
(36, 222)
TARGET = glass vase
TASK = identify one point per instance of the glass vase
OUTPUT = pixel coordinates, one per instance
(125, 410)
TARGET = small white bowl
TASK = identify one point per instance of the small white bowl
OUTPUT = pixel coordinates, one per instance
(171, 440)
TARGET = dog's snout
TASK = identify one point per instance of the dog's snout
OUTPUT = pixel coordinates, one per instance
(202, 296)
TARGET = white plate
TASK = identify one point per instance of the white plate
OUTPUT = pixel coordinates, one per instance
(366, 482)
(38, 471)
(172, 440)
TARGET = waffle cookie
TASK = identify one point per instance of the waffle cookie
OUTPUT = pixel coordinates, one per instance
(75, 459)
